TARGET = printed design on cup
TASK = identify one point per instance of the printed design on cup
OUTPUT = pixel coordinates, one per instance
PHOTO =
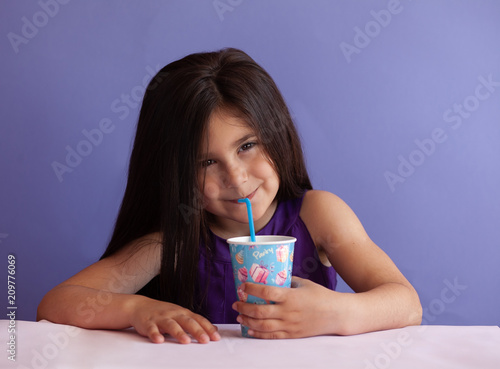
(259, 254)
(281, 278)
(264, 264)
(268, 263)
(259, 273)
(243, 274)
(242, 295)
(282, 253)
(239, 257)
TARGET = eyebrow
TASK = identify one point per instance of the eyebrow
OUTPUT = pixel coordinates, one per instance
(243, 139)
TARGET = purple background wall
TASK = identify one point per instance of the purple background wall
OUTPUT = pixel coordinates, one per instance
(397, 103)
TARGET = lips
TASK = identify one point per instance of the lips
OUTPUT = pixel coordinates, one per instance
(248, 197)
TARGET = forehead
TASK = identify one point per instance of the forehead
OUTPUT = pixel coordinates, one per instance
(224, 129)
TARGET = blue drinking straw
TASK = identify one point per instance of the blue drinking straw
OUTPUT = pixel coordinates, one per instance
(250, 218)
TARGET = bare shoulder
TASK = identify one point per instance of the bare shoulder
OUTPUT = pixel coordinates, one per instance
(328, 218)
(146, 246)
(127, 270)
(317, 199)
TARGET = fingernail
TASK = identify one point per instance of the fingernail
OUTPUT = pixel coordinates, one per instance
(204, 338)
(239, 319)
(216, 336)
(158, 338)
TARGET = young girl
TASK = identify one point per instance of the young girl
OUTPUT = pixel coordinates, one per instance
(213, 128)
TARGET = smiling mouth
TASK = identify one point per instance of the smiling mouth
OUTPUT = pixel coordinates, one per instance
(248, 197)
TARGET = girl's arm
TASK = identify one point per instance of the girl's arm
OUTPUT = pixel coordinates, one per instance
(384, 299)
(102, 297)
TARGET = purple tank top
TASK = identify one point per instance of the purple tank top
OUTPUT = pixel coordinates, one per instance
(221, 292)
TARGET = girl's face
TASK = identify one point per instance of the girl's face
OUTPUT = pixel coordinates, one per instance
(234, 165)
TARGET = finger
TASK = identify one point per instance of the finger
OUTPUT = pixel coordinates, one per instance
(268, 293)
(153, 333)
(191, 325)
(260, 325)
(209, 328)
(257, 311)
(297, 281)
(276, 335)
(171, 327)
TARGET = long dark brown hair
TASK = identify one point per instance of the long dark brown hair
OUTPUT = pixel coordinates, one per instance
(162, 193)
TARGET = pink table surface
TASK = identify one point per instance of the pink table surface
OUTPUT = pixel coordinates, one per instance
(47, 345)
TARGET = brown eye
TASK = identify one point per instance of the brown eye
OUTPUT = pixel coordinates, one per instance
(247, 146)
(207, 163)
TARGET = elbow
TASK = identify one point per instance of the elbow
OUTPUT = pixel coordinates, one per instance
(415, 317)
(43, 312)
(416, 311)
(48, 308)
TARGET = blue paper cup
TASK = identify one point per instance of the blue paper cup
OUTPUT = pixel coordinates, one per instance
(268, 260)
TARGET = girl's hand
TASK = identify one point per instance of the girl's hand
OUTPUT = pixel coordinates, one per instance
(301, 311)
(152, 318)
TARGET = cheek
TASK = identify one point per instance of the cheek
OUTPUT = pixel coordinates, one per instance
(210, 190)
(265, 169)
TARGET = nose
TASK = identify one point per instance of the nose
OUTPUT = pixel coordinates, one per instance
(235, 175)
